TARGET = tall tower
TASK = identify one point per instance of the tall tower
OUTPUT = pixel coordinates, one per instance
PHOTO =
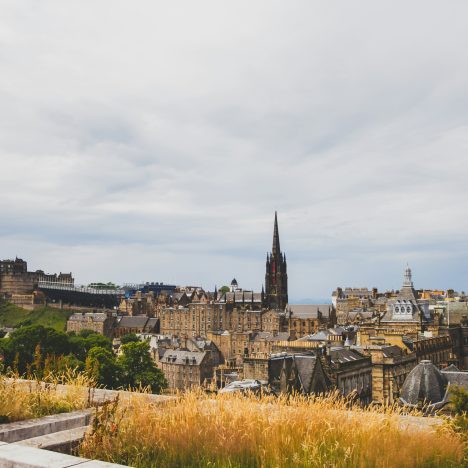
(276, 277)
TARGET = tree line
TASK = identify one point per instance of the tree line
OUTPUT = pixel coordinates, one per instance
(39, 352)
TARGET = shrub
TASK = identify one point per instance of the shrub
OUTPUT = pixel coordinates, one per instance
(459, 399)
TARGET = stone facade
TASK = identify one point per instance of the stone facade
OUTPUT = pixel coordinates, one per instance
(306, 319)
(186, 369)
(390, 367)
(99, 322)
(15, 278)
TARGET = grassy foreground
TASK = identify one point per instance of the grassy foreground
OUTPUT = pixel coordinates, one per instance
(12, 316)
(20, 399)
(244, 431)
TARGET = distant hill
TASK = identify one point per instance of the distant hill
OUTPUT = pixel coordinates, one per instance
(13, 316)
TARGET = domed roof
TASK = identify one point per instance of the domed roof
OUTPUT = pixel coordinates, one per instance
(234, 282)
(425, 385)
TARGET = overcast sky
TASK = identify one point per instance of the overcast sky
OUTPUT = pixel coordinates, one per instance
(150, 140)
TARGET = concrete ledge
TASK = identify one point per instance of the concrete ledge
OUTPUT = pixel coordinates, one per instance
(13, 432)
(17, 456)
(63, 442)
(93, 395)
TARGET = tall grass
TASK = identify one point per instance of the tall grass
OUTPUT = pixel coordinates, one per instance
(196, 430)
(25, 399)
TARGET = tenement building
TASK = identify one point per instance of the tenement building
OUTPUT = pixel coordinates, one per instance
(186, 369)
(99, 322)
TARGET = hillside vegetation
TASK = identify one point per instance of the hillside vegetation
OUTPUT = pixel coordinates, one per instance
(13, 316)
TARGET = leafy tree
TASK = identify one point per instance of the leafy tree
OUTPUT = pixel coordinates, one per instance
(101, 364)
(138, 369)
(69, 361)
(224, 289)
(129, 338)
(86, 332)
(80, 345)
(21, 347)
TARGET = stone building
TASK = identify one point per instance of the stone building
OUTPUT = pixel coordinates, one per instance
(351, 372)
(237, 346)
(98, 322)
(306, 319)
(15, 278)
(390, 367)
(274, 321)
(298, 373)
(314, 369)
(200, 318)
(138, 304)
(137, 324)
(405, 311)
(186, 369)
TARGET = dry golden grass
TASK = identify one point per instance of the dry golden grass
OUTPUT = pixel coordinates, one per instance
(24, 399)
(197, 430)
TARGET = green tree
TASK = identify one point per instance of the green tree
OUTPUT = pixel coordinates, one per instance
(138, 369)
(80, 345)
(21, 347)
(129, 338)
(459, 399)
(101, 365)
(86, 332)
(224, 289)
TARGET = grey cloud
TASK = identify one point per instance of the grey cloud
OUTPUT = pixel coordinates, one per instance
(155, 141)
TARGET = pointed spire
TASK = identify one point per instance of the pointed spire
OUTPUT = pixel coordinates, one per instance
(276, 243)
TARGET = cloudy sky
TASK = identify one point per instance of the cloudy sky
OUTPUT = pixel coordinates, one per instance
(154, 140)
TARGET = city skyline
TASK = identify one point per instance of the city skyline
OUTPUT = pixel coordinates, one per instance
(155, 143)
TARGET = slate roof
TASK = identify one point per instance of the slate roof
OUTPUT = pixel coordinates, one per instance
(94, 316)
(241, 296)
(268, 336)
(363, 313)
(242, 386)
(305, 365)
(319, 336)
(345, 355)
(180, 357)
(458, 378)
(392, 351)
(137, 321)
(309, 310)
(152, 322)
(425, 383)
(451, 368)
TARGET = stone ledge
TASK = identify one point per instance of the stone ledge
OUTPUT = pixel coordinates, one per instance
(20, 430)
(63, 441)
(17, 456)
